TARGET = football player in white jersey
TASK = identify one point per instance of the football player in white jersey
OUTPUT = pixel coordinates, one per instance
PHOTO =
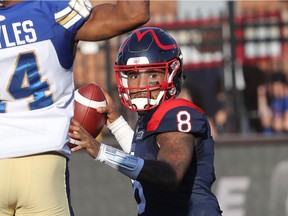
(37, 44)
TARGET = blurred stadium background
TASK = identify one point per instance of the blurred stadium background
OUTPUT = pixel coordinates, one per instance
(229, 47)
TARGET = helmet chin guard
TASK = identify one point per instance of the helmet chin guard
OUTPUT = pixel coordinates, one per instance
(143, 103)
(166, 88)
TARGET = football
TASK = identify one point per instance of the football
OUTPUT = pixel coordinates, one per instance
(87, 99)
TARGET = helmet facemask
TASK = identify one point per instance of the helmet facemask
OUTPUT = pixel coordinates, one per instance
(166, 87)
(148, 49)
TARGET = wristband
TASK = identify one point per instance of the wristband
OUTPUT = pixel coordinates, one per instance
(123, 162)
(123, 133)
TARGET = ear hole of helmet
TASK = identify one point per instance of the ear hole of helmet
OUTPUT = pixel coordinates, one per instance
(175, 77)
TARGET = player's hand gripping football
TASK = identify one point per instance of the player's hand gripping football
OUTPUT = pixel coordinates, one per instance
(110, 110)
(87, 141)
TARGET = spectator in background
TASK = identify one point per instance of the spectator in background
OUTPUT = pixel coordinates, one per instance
(204, 88)
(254, 76)
(273, 104)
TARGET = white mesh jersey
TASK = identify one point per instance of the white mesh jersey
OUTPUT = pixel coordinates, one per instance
(36, 77)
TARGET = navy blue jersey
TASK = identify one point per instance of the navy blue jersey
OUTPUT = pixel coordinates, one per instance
(194, 195)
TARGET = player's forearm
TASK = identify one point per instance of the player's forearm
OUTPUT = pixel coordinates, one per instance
(125, 163)
(109, 20)
(135, 12)
(128, 15)
(157, 173)
(123, 133)
(160, 174)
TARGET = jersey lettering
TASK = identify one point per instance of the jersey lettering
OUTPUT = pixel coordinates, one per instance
(22, 33)
(138, 189)
(184, 121)
(139, 196)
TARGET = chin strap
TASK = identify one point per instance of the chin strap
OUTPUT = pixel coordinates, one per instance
(141, 103)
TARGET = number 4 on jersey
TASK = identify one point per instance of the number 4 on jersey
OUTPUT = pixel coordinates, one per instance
(26, 82)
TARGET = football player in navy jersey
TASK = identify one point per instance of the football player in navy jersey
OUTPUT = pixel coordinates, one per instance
(37, 48)
(170, 156)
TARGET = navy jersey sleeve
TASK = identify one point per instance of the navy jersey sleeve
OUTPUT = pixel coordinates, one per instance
(178, 115)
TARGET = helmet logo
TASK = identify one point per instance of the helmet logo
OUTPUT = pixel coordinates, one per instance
(136, 60)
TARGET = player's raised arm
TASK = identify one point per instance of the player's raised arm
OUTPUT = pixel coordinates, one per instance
(109, 20)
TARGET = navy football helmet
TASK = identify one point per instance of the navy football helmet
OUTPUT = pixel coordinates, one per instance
(149, 48)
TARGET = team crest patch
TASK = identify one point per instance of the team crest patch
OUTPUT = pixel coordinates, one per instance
(136, 60)
(139, 135)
